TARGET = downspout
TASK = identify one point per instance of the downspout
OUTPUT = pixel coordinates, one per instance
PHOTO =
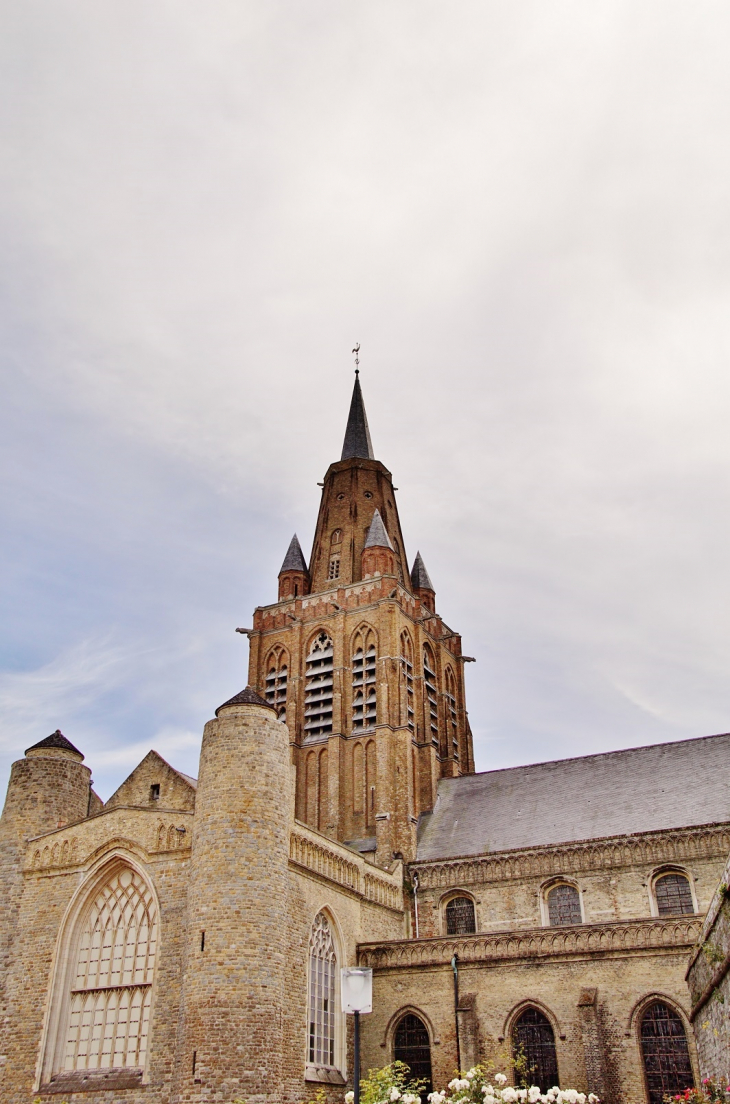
(415, 899)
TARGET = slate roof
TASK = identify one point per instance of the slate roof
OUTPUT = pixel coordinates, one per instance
(55, 740)
(643, 789)
(246, 697)
(294, 559)
(357, 435)
(419, 576)
(377, 536)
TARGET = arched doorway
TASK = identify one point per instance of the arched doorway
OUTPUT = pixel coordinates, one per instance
(533, 1039)
(665, 1052)
(413, 1046)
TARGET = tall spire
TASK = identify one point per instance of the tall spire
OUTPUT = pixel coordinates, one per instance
(357, 435)
(294, 559)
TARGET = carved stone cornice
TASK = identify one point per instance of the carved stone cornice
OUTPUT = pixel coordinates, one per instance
(587, 940)
(677, 845)
(345, 868)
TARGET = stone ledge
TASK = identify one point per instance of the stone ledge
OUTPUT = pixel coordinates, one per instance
(93, 1081)
(580, 939)
(324, 1075)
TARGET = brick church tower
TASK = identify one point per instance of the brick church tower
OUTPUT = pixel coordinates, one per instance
(356, 660)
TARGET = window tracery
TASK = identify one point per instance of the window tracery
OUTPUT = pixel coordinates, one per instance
(106, 1020)
(321, 1008)
(318, 687)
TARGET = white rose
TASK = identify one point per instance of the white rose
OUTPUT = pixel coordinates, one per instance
(394, 1094)
(581, 1098)
(572, 1096)
(533, 1094)
(454, 1085)
(349, 1097)
(500, 1078)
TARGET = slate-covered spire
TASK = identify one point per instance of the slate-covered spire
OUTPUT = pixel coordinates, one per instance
(357, 435)
(419, 576)
(377, 536)
(294, 559)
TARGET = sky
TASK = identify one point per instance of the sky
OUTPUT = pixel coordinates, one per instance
(521, 213)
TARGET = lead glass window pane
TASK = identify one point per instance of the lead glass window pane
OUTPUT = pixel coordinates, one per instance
(673, 895)
(665, 1053)
(564, 906)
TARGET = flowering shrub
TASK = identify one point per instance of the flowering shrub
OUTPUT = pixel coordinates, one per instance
(392, 1084)
(480, 1085)
(707, 1093)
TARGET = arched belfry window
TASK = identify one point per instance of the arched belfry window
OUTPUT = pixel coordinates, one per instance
(431, 690)
(364, 670)
(533, 1039)
(333, 569)
(321, 997)
(318, 687)
(563, 906)
(408, 712)
(412, 1045)
(664, 1049)
(277, 673)
(673, 894)
(103, 1019)
(452, 721)
(460, 918)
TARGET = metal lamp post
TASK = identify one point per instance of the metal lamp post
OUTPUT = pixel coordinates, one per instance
(357, 996)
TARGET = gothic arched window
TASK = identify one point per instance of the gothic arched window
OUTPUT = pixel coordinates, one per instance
(277, 672)
(318, 687)
(533, 1039)
(406, 670)
(412, 1045)
(364, 674)
(563, 902)
(673, 894)
(460, 918)
(452, 721)
(665, 1052)
(107, 995)
(429, 682)
(321, 998)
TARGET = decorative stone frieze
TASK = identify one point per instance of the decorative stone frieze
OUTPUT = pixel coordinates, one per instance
(345, 868)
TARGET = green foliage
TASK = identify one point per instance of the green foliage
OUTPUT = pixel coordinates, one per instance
(707, 1093)
(320, 1097)
(712, 952)
(377, 1086)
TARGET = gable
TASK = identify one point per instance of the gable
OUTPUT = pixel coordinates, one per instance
(176, 790)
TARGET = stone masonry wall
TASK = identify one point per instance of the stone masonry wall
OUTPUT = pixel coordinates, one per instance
(708, 977)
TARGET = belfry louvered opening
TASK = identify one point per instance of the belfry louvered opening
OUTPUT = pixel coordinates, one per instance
(429, 682)
(276, 682)
(318, 688)
(364, 694)
(406, 668)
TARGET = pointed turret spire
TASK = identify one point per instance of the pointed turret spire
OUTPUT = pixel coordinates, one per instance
(294, 559)
(419, 576)
(377, 536)
(357, 435)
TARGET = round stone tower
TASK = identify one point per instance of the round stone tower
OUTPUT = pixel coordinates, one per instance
(234, 986)
(48, 789)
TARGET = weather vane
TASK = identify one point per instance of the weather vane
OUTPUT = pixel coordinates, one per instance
(356, 351)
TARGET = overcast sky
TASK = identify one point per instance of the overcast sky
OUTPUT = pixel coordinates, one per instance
(521, 212)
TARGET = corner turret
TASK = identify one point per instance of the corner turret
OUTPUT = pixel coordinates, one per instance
(378, 557)
(294, 574)
(422, 585)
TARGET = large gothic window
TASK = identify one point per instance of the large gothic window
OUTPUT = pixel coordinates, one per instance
(321, 1007)
(104, 1023)
(673, 895)
(533, 1039)
(664, 1050)
(412, 1045)
(318, 688)
(460, 918)
(364, 673)
(276, 681)
(429, 681)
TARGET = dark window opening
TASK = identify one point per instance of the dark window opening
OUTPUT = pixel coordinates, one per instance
(664, 1050)
(155, 791)
(564, 906)
(673, 895)
(413, 1046)
(460, 919)
(202, 941)
(533, 1039)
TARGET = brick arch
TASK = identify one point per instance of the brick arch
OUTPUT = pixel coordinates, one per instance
(395, 1019)
(634, 1020)
(514, 1014)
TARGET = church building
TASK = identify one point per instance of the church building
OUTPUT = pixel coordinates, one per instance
(181, 943)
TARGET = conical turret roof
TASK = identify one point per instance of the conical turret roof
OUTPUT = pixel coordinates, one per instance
(56, 740)
(419, 576)
(294, 559)
(357, 435)
(246, 697)
(377, 536)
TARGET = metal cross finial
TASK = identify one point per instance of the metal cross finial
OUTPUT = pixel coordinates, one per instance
(356, 351)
